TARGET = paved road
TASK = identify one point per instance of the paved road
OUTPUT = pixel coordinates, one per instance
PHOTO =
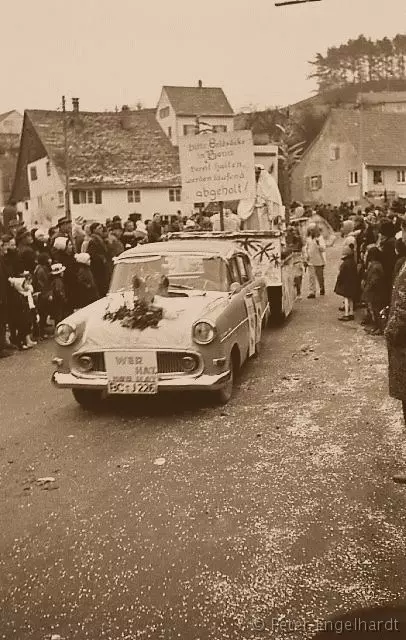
(281, 504)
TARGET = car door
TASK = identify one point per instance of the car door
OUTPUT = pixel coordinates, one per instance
(253, 301)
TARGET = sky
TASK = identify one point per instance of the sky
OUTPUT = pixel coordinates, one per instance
(114, 52)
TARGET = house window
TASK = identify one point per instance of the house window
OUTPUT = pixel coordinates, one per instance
(402, 176)
(33, 173)
(334, 152)
(189, 130)
(378, 176)
(353, 177)
(314, 183)
(164, 113)
(87, 197)
(219, 128)
(48, 168)
(26, 205)
(61, 198)
(134, 195)
(169, 132)
(174, 195)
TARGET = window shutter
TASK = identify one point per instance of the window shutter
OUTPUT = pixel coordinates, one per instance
(307, 183)
(320, 182)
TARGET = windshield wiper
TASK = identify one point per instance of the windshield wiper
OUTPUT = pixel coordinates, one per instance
(180, 286)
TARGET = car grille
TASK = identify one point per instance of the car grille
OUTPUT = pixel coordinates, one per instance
(169, 362)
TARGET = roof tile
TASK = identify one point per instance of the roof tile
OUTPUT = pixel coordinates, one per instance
(127, 148)
(203, 101)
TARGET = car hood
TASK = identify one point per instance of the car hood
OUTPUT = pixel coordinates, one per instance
(172, 332)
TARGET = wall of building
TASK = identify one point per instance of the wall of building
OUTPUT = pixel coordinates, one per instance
(267, 155)
(390, 181)
(46, 203)
(114, 202)
(169, 121)
(334, 174)
(211, 121)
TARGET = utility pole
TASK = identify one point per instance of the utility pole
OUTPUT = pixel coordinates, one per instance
(66, 157)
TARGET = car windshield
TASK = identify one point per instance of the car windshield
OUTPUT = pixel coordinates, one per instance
(184, 270)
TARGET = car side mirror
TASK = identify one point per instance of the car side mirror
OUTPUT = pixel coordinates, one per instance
(235, 287)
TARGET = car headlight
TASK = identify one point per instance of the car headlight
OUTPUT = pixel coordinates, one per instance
(65, 334)
(203, 332)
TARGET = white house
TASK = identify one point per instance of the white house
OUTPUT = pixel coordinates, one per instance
(118, 164)
(178, 108)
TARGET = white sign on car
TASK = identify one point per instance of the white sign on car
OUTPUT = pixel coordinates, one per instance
(217, 167)
(131, 372)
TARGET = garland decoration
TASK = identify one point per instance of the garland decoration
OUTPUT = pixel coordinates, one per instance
(138, 311)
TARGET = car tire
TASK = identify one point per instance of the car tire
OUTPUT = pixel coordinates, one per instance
(223, 396)
(86, 398)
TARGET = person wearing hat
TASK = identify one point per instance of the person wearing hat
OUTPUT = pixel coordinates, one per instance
(24, 310)
(100, 262)
(58, 299)
(64, 230)
(86, 290)
(25, 252)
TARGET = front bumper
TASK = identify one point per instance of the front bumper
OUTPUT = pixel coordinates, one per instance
(181, 383)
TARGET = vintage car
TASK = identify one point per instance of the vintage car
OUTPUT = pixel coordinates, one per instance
(212, 312)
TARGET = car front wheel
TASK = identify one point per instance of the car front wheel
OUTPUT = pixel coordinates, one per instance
(86, 398)
(223, 396)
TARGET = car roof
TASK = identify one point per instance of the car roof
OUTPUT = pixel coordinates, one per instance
(221, 248)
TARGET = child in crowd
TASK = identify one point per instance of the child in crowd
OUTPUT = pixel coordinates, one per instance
(346, 285)
(58, 300)
(24, 310)
(42, 287)
(86, 290)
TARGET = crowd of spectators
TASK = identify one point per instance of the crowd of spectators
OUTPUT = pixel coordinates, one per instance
(46, 274)
(374, 250)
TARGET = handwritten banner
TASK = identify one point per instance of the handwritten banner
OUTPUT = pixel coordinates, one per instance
(217, 167)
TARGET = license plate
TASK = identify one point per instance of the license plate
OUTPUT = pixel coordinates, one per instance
(131, 372)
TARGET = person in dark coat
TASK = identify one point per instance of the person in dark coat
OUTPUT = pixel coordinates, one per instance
(400, 248)
(100, 263)
(42, 287)
(27, 258)
(4, 303)
(374, 293)
(395, 334)
(86, 290)
(154, 229)
(347, 283)
(58, 299)
(387, 244)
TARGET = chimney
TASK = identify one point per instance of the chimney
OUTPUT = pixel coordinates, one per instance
(75, 105)
(200, 84)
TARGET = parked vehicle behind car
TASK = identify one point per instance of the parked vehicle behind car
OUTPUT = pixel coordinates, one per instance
(205, 321)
